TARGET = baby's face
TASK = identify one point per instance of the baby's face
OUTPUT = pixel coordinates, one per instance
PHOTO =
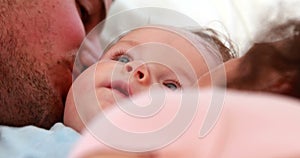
(143, 59)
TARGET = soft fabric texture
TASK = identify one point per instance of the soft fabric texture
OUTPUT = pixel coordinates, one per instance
(34, 142)
(249, 125)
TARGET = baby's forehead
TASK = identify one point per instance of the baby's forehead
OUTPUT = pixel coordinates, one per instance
(160, 40)
(180, 38)
(155, 34)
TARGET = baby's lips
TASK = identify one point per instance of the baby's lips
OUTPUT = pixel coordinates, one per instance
(122, 87)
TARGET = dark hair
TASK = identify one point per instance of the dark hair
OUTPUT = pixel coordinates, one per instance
(272, 66)
(223, 44)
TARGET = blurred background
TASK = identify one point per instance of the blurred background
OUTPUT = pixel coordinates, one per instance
(240, 20)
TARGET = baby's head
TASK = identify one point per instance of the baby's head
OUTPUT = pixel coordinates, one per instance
(167, 58)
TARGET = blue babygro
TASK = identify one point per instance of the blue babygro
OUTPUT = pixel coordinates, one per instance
(34, 142)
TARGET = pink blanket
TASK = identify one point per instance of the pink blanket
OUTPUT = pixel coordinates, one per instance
(246, 125)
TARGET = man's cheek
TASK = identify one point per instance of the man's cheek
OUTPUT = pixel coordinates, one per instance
(68, 30)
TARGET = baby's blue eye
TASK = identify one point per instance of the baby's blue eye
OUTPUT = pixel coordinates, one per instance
(171, 86)
(123, 59)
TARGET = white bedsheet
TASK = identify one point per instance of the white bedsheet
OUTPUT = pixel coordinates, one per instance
(241, 19)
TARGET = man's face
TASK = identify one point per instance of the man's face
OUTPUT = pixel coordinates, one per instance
(38, 43)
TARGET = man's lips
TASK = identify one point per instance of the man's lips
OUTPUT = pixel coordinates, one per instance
(121, 87)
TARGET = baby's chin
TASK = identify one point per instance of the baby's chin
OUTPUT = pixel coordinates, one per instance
(78, 120)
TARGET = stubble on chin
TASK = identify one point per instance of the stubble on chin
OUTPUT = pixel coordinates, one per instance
(31, 90)
(26, 95)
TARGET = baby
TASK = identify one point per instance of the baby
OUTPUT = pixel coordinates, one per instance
(149, 57)
(251, 124)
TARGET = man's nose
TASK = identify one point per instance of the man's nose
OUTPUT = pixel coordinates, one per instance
(139, 72)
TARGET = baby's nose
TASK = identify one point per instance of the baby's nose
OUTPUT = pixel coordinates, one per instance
(140, 72)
